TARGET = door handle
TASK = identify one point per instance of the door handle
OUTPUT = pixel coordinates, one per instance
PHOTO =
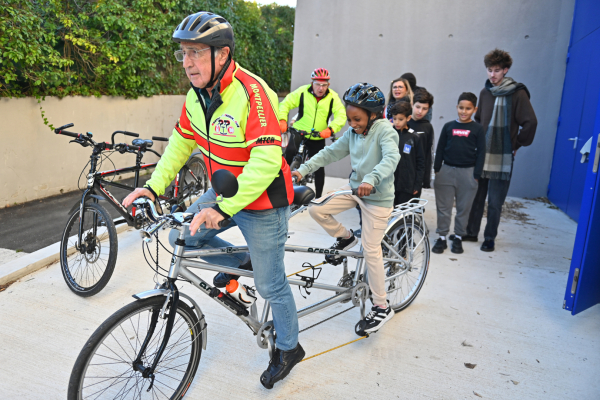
(574, 139)
(597, 157)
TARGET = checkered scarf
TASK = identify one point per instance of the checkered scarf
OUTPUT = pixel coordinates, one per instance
(498, 146)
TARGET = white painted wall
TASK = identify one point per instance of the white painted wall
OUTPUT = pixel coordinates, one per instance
(36, 163)
(443, 44)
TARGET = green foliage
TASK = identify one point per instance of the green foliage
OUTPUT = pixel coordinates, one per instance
(124, 48)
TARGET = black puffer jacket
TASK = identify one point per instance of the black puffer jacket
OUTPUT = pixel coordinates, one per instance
(411, 168)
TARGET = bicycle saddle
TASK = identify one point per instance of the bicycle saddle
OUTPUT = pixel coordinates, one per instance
(147, 143)
(303, 195)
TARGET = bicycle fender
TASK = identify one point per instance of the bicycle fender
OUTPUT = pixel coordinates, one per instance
(195, 306)
(76, 205)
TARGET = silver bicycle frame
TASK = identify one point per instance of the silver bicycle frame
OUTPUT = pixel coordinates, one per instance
(181, 265)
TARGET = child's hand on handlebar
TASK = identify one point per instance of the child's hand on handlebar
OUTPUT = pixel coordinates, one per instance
(364, 189)
(208, 216)
(297, 175)
(139, 192)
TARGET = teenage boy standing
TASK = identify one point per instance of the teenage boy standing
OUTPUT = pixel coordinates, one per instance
(423, 100)
(509, 122)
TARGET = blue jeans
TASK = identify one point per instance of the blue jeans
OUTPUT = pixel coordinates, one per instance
(265, 233)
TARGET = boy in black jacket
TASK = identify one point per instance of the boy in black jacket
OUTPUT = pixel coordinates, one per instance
(461, 147)
(408, 177)
(422, 101)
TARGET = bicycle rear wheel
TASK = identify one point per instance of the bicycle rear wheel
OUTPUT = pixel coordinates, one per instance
(193, 181)
(88, 269)
(405, 278)
(104, 367)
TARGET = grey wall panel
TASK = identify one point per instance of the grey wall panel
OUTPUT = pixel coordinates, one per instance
(443, 44)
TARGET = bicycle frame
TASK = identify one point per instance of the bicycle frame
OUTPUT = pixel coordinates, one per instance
(260, 325)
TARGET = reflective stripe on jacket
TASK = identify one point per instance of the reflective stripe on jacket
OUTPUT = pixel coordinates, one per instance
(239, 132)
(313, 114)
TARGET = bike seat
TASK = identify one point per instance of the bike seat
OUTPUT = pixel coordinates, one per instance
(303, 195)
(142, 142)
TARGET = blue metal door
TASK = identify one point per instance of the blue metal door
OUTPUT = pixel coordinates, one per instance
(583, 285)
(578, 109)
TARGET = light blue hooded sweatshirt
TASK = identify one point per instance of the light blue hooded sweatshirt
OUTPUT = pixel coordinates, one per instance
(373, 158)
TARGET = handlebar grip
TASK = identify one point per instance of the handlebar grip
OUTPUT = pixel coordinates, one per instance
(224, 223)
(66, 133)
(57, 130)
(160, 138)
(130, 134)
(355, 191)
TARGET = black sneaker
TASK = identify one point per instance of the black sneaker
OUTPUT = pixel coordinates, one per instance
(374, 320)
(439, 246)
(280, 365)
(488, 245)
(457, 246)
(341, 244)
(465, 238)
(221, 279)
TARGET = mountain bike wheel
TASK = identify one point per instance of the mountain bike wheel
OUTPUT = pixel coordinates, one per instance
(89, 268)
(404, 280)
(104, 367)
(193, 181)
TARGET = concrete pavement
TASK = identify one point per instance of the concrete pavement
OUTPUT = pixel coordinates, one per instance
(500, 311)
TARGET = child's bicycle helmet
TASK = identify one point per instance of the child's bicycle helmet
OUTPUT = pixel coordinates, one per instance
(365, 96)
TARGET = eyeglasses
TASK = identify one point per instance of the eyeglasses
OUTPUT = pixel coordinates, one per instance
(321, 85)
(191, 53)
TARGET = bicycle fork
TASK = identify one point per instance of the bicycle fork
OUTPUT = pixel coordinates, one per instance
(138, 365)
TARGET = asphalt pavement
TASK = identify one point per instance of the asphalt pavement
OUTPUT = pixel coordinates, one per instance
(31, 226)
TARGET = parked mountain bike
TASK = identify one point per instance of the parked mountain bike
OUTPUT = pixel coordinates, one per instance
(88, 246)
(152, 347)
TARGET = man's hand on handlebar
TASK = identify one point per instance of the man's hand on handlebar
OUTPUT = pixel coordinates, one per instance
(208, 216)
(364, 189)
(283, 126)
(325, 133)
(139, 192)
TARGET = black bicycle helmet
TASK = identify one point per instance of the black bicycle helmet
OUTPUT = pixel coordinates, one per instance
(365, 96)
(205, 27)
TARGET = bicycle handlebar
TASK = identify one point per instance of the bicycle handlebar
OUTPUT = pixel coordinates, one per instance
(160, 138)
(112, 138)
(312, 133)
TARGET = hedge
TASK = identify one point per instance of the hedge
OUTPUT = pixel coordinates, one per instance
(124, 48)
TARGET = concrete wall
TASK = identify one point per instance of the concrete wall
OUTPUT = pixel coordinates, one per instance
(36, 163)
(443, 44)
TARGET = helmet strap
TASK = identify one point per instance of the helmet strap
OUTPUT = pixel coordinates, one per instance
(370, 123)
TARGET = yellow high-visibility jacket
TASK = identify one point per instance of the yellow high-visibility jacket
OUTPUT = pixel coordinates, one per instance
(313, 114)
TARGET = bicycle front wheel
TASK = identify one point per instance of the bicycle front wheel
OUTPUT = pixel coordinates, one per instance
(104, 368)
(404, 279)
(88, 268)
(193, 180)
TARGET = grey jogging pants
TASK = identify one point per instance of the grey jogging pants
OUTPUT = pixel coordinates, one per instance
(451, 183)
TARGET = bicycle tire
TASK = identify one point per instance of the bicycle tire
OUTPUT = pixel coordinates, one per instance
(118, 340)
(88, 273)
(190, 188)
(404, 280)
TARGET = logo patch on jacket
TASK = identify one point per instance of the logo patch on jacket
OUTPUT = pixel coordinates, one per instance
(461, 132)
(225, 125)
